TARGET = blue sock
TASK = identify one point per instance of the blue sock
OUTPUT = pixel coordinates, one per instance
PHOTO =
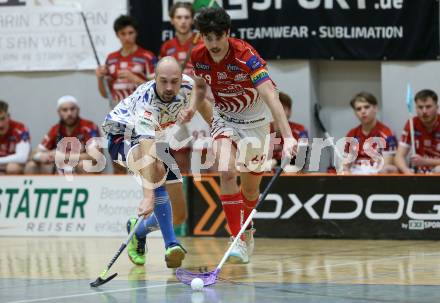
(147, 226)
(164, 215)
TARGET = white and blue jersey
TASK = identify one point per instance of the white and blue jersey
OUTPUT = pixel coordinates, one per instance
(144, 115)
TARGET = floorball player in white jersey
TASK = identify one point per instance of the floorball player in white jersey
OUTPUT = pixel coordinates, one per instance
(135, 130)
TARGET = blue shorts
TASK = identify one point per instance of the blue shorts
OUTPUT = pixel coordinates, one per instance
(120, 149)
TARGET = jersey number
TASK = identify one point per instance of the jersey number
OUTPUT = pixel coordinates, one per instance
(207, 78)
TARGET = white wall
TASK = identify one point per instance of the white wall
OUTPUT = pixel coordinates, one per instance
(338, 81)
(293, 78)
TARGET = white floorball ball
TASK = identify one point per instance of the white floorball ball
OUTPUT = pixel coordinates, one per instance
(197, 284)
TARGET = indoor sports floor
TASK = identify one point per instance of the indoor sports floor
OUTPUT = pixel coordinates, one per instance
(60, 269)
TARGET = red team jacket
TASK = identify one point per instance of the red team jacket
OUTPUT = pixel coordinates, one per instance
(427, 143)
(141, 63)
(17, 132)
(381, 131)
(233, 80)
(84, 130)
(298, 132)
(179, 51)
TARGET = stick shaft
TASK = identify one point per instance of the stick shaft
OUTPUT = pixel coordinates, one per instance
(98, 62)
(124, 244)
(411, 130)
(327, 135)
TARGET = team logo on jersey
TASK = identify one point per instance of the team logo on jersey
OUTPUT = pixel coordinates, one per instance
(25, 136)
(147, 114)
(303, 134)
(112, 61)
(233, 68)
(254, 63)
(240, 77)
(202, 66)
(139, 60)
(222, 76)
(171, 51)
(391, 142)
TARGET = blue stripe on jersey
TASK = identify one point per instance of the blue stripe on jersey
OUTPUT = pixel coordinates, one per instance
(148, 96)
(186, 86)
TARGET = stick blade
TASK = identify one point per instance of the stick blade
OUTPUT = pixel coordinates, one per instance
(186, 277)
(99, 281)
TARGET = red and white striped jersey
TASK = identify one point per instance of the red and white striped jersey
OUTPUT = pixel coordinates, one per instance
(17, 132)
(427, 143)
(364, 148)
(179, 51)
(233, 82)
(141, 63)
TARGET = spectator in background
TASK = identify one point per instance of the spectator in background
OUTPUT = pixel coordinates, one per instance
(70, 125)
(426, 136)
(367, 135)
(180, 47)
(14, 143)
(298, 130)
(128, 67)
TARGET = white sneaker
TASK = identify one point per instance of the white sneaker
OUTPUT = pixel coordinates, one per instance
(249, 239)
(238, 254)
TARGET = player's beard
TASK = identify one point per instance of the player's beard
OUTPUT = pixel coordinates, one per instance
(70, 121)
(168, 96)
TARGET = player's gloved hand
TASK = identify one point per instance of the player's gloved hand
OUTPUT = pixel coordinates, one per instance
(146, 206)
(101, 71)
(290, 146)
(185, 115)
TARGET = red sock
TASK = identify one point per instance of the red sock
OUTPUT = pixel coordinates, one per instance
(248, 206)
(233, 208)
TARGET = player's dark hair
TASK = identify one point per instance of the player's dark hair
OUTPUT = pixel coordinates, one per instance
(285, 100)
(363, 97)
(123, 21)
(424, 94)
(179, 4)
(4, 107)
(213, 20)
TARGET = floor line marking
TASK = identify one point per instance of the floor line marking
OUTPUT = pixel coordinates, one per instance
(93, 294)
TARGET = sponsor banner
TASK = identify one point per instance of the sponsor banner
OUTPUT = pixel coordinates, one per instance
(382, 207)
(317, 29)
(53, 206)
(37, 35)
